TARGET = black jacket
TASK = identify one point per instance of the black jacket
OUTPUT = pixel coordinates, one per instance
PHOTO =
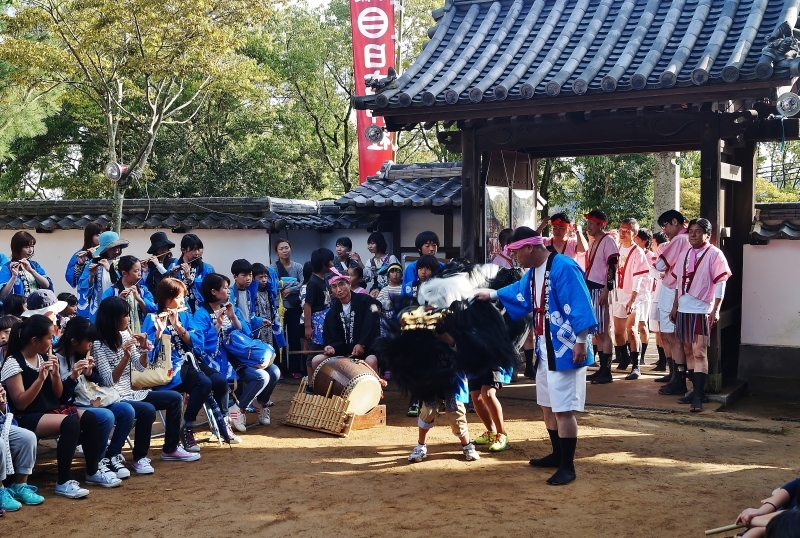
(366, 324)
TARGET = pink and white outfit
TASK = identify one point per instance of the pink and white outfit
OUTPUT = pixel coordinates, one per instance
(666, 263)
(701, 277)
(570, 247)
(632, 273)
(600, 253)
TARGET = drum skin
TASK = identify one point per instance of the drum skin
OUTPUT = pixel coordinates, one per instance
(352, 379)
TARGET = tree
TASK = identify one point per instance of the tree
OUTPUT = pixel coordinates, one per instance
(142, 63)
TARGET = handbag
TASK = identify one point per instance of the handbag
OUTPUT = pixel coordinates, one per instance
(90, 394)
(248, 351)
(157, 373)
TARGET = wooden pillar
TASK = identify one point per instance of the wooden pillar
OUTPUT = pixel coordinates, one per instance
(710, 208)
(470, 194)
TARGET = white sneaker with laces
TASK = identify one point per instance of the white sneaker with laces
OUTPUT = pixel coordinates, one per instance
(263, 416)
(180, 455)
(235, 439)
(71, 489)
(419, 453)
(470, 453)
(103, 478)
(237, 418)
(143, 466)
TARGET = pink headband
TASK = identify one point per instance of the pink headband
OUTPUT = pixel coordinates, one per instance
(337, 276)
(516, 245)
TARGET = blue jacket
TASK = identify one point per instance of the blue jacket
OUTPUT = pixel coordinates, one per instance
(69, 275)
(569, 309)
(207, 341)
(149, 328)
(149, 303)
(409, 276)
(19, 288)
(89, 295)
(257, 321)
(203, 270)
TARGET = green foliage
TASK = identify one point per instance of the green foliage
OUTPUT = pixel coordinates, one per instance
(690, 197)
(620, 185)
(768, 192)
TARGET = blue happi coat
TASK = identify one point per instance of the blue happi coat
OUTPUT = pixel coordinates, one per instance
(568, 309)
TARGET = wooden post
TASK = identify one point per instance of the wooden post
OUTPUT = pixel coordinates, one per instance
(710, 186)
(470, 195)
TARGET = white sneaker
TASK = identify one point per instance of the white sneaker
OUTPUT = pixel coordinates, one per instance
(143, 466)
(79, 451)
(103, 478)
(470, 453)
(235, 439)
(72, 490)
(420, 453)
(117, 466)
(180, 455)
(237, 418)
(263, 416)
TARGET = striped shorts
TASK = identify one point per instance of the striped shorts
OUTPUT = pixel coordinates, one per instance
(689, 326)
(600, 311)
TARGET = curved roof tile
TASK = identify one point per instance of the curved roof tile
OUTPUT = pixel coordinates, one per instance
(585, 47)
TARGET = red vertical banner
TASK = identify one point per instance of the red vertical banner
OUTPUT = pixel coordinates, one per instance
(372, 23)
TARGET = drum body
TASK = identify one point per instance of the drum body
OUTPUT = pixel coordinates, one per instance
(351, 379)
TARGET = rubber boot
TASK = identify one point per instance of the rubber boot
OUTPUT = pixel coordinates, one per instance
(566, 471)
(667, 378)
(661, 365)
(699, 393)
(600, 361)
(604, 372)
(553, 459)
(624, 357)
(678, 384)
(635, 370)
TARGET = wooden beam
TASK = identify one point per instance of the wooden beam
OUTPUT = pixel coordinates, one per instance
(470, 183)
(710, 186)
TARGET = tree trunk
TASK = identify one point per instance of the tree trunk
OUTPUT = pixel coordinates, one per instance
(116, 212)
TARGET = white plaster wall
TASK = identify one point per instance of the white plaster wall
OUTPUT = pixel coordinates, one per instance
(53, 250)
(770, 294)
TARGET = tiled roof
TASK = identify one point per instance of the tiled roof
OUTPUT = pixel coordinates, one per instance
(411, 185)
(776, 221)
(517, 50)
(182, 213)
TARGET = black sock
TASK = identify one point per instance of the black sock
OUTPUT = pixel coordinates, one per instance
(662, 356)
(89, 440)
(644, 352)
(635, 359)
(566, 471)
(553, 459)
(65, 449)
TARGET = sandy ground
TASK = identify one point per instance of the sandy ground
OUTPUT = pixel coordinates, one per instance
(640, 473)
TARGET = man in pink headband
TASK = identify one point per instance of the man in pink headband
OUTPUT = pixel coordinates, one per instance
(555, 292)
(601, 278)
(567, 238)
(351, 325)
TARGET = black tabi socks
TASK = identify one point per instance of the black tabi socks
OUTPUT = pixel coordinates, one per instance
(667, 378)
(566, 471)
(661, 365)
(678, 384)
(699, 392)
(644, 353)
(623, 357)
(635, 370)
(603, 375)
(554, 458)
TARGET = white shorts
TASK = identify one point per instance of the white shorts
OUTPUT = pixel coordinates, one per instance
(665, 301)
(560, 391)
(619, 306)
(653, 323)
(642, 309)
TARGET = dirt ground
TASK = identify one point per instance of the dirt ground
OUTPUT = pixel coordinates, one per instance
(659, 472)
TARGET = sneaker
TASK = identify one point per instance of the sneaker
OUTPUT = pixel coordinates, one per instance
(237, 419)
(117, 466)
(413, 410)
(235, 439)
(470, 453)
(179, 455)
(7, 501)
(71, 489)
(79, 451)
(26, 494)
(500, 443)
(103, 467)
(263, 416)
(143, 466)
(486, 438)
(419, 453)
(187, 440)
(103, 478)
